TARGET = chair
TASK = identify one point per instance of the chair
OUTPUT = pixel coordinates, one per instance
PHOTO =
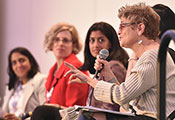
(165, 39)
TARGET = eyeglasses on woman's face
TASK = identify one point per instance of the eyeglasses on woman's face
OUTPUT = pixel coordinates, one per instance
(123, 25)
(57, 40)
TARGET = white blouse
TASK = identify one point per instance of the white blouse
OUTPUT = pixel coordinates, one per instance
(16, 100)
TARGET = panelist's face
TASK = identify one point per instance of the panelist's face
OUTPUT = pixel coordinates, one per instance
(98, 41)
(62, 45)
(127, 33)
(20, 65)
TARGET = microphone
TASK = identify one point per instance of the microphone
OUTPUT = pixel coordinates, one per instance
(103, 54)
(23, 116)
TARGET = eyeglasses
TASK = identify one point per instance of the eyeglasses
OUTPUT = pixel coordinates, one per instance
(64, 40)
(122, 25)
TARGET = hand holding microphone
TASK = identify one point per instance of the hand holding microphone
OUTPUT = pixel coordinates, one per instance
(103, 54)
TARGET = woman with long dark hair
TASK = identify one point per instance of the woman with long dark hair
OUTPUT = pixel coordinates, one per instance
(25, 89)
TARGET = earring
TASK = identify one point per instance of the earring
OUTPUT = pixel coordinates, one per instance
(140, 41)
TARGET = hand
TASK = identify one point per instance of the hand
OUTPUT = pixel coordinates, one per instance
(106, 70)
(10, 116)
(101, 64)
(80, 77)
(133, 59)
(134, 55)
(77, 76)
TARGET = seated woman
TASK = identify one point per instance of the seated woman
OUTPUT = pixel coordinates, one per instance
(140, 86)
(63, 40)
(102, 35)
(25, 89)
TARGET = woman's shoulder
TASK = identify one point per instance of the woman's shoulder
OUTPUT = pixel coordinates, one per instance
(7, 91)
(149, 56)
(116, 64)
(118, 69)
(74, 60)
(39, 75)
(38, 78)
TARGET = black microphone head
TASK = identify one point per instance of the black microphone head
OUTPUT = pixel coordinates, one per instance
(104, 53)
(23, 116)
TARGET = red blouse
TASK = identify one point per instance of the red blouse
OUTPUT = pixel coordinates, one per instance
(63, 93)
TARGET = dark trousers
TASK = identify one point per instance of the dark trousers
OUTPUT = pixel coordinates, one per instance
(45, 112)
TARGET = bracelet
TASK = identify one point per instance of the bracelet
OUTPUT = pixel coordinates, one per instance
(112, 89)
(132, 58)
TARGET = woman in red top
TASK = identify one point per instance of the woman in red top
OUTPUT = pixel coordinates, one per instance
(63, 41)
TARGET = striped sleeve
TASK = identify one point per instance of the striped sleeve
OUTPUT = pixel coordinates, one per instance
(141, 79)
